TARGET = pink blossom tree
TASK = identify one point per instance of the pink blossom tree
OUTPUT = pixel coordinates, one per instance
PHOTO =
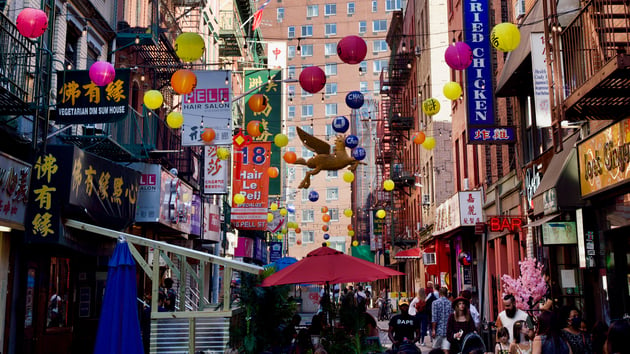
(530, 284)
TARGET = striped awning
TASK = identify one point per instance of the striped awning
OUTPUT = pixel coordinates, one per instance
(412, 253)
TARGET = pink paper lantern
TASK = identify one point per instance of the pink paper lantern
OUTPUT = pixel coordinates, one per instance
(458, 56)
(32, 23)
(312, 79)
(352, 49)
(102, 73)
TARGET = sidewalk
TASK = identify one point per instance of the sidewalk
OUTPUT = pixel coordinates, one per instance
(383, 327)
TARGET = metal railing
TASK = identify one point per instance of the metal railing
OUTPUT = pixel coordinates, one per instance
(17, 60)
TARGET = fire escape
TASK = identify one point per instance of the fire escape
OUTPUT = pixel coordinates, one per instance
(591, 69)
(394, 130)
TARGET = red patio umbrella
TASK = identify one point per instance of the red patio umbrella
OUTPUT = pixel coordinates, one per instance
(326, 265)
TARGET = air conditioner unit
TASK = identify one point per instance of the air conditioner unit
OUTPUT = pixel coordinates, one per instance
(519, 9)
(426, 199)
(428, 258)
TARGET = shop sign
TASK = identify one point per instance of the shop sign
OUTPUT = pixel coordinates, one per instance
(500, 223)
(604, 159)
(461, 209)
(195, 215)
(176, 202)
(148, 205)
(275, 251)
(211, 222)
(559, 233)
(80, 101)
(532, 181)
(550, 201)
(15, 179)
(260, 250)
(215, 172)
(251, 179)
(245, 247)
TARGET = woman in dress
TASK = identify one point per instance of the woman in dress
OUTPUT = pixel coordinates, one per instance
(548, 339)
(579, 341)
(459, 324)
(521, 344)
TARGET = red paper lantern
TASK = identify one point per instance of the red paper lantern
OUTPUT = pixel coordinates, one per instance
(290, 157)
(352, 49)
(208, 135)
(102, 73)
(325, 228)
(183, 81)
(31, 23)
(257, 103)
(312, 79)
(273, 172)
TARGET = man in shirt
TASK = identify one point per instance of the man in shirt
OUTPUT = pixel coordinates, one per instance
(403, 326)
(440, 311)
(511, 314)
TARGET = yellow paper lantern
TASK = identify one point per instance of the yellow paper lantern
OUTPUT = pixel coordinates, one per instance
(189, 46)
(327, 243)
(175, 120)
(239, 199)
(284, 230)
(388, 185)
(273, 206)
(223, 153)
(418, 138)
(280, 237)
(505, 37)
(452, 90)
(283, 212)
(348, 177)
(351, 233)
(269, 217)
(348, 213)
(430, 106)
(355, 243)
(381, 214)
(281, 140)
(429, 143)
(153, 99)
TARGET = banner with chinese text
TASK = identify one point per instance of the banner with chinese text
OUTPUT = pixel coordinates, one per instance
(270, 83)
(208, 106)
(80, 101)
(251, 179)
(215, 172)
(15, 182)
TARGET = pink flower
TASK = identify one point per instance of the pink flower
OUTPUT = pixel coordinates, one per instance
(530, 283)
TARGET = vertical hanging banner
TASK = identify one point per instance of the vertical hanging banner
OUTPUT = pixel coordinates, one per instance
(277, 54)
(269, 83)
(208, 106)
(251, 179)
(541, 81)
(215, 172)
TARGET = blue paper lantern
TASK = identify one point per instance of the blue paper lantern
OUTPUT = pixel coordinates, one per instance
(326, 236)
(291, 208)
(352, 141)
(313, 196)
(354, 99)
(340, 124)
(358, 153)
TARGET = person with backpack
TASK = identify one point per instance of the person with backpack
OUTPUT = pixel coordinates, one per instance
(361, 299)
(418, 308)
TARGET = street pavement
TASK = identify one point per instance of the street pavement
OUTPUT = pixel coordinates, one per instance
(383, 327)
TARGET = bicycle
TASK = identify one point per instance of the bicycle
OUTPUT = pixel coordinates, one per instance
(385, 310)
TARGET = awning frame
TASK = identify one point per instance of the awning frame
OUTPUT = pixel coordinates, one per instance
(542, 220)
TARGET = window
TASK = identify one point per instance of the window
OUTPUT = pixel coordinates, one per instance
(307, 110)
(363, 87)
(305, 93)
(280, 14)
(363, 67)
(307, 50)
(374, 6)
(330, 132)
(291, 112)
(312, 11)
(307, 30)
(291, 31)
(308, 236)
(331, 29)
(334, 214)
(377, 26)
(330, 69)
(332, 193)
(291, 235)
(331, 109)
(393, 5)
(330, 49)
(307, 128)
(305, 193)
(291, 51)
(291, 90)
(291, 132)
(308, 215)
(291, 73)
(377, 65)
(290, 191)
(331, 88)
(379, 45)
(330, 9)
(332, 174)
(362, 26)
(306, 154)
(350, 8)
(377, 87)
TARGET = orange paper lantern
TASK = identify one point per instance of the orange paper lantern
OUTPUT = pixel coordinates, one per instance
(273, 172)
(254, 128)
(183, 81)
(257, 103)
(325, 218)
(208, 135)
(324, 209)
(325, 228)
(418, 138)
(290, 157)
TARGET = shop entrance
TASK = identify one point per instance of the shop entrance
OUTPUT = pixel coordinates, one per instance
(618, 271)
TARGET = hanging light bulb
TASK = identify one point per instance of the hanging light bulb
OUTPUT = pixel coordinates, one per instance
(298, 49)
(404, 47)
(227, 79)
(322, 97)
(137, 40)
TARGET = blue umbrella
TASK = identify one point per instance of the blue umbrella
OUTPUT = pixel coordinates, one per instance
(284, 262)
(119, 327)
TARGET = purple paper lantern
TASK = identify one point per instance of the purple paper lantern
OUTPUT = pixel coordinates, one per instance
(354, 99)
(359, 153)
(458, 56)
(32, 23)
(313, 196)
(352, 49)
(102, 73)
(326, 236)
(312, 79)
(352, 141)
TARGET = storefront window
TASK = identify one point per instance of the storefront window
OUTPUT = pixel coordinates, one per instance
(59, 293)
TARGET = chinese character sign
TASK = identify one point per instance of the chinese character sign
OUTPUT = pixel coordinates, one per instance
(270, 85)
(208, 106)
(470, 210)
(79, 100)
(15, 179)
(251, 179)
(215, 172)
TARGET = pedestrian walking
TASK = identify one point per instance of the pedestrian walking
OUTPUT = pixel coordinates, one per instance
(440, 312)
(511, 314)
(459, 324)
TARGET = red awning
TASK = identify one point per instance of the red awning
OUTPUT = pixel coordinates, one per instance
(413, 253)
